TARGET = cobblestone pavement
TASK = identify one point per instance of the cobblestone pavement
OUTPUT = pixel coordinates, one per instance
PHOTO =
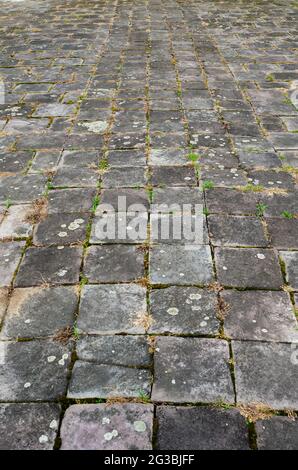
(133, 345)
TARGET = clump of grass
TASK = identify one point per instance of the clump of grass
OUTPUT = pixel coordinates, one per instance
(207, 184)
(76, 332)
(143, 320)
(95, 203)
(255, 411)
(193, 157)
(256, 188)
(8, 203)
(143, 396)
(38, 211)
(270, 78)
(260, 209)
(287, 215)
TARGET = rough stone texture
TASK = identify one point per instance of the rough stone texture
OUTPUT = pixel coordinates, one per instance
(192, 370)
(15, 224)
(172, 264)
(290, 259)
(90, 380)
(3, 302)
(33, 370)
(58, 229)
(257, 315)
(277, 433)
(114, 263)
(201, 428)
(10, 256)
(236, 231)
(266, 373)
(90, 427)
(39, 311)
(183, 310)
(28, 426)
(110, 309)
(53, 265)
(248, 267)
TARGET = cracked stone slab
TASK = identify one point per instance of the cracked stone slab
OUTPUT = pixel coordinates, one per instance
(112, 309)
(70, 200)
(15, 223)
(266, 373)
(28, 426)
(53, 265)
(61, 228)
(117, 350)
(114, 263)
(290, 259)
(39, 311)
(10, 256)
(90, 380)
(236, 231)
(259, 315)
(125, 426)
(173, 264)
(277, 433)
(33, 370)
(183, 310)
(201, 428)
(248, 268)
(192, 370)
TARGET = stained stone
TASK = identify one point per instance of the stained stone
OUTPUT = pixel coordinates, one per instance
(166, 198)
(174, 264)
(266, 373)
(132, 140)
(166, 121)
(93, 427)
(90, 380)
(277, 433)
(33, 370)
(276, 204)
(120, 158)
(70, 200)
(61, 228)
(121, 200)
(259, 315)
(236, 231)
(53, 265)
(248, 267)
(39, 311)
(75, 178)
(3, 302)
(256, 161)
(22, 189)
(111, 309)
(115, 350)
(201, 428)
(161, 140)
(290, 259)
(173, 176)
(225, 178)
(54, 109)
(283, 232)
(14, 224)
(183, 310)
(13, 162)
(79, 159)
(10, 256)
(192, 370)
(120, 227)
(45, 161)
(124, 177)
(26, 125)
(272, 179)
(170, 156)
(114, 263)
(28, 426)
(231, 201)
(284, 140)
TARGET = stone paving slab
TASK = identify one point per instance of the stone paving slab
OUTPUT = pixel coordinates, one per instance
(10, 255)
(101, 427)
(277, 433)
(28, 426)
(201, 428)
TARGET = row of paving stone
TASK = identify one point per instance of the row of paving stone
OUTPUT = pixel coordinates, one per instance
(195, 108)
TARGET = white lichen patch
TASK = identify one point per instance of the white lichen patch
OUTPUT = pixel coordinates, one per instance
(109, 435)
(173, 311)
(105, 420)
(195, 296)
(51, 358)
(27, 385)
(62, 272)
(261, 256)
(140, 426)
(43, 439)
(54, 424)
(95, 126)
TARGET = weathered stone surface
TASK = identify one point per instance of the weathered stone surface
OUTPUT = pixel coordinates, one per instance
(283, 232)
(57, 109)
(277, 433)
(236, 231)
(183, 310)
(119, 227)
(121, 200)
(164, 157)
(39, 311)
(201, 428)
(114, 263)
(75, 178)
(172, 199)
(71, 200)
(15, 224)
(127, 177)
(173, 176)
(259, 315)
(53, 265)
(91, 380)
(110, 309)
(231, 201)
(21, 189)
(266, 373)
(173, 264)
(125, 426)
(120, 158)
(33, 370)
(10, 256)
(248, 267)
(192, 370)
(28, 426)
(116, 350)
(57, 229)
(3, 301)
(291, 266)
